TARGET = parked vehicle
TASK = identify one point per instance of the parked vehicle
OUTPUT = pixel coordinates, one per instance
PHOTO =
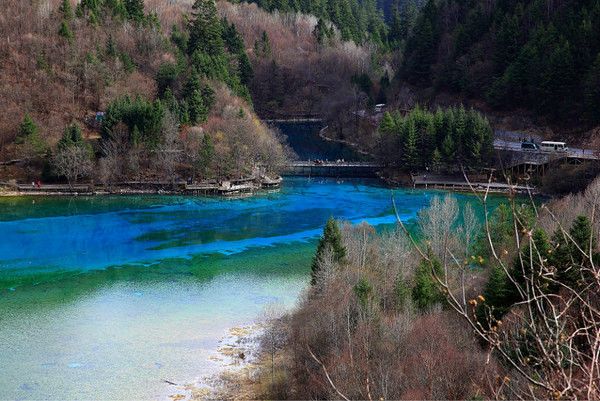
(528, 145)
(551, 146)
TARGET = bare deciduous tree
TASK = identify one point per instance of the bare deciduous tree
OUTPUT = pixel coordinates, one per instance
(170, 151)
(73, 162)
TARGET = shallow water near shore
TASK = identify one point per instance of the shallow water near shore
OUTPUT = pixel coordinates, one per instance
(105, 298)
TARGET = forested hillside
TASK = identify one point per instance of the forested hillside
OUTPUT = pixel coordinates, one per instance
(356, 20)
(539, 55)
(111, 89)
(294, 74)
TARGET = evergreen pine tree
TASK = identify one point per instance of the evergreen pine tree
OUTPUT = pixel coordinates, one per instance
(166, 77)
(119, 9)
(529, 266)
(473, 139)
(111, 49)
(321, 32)
(205, 29)
(206, 154)
(428, 144)
(592, 91)
(65, 31)
(245, 69)
(171, 103)
(232, 38)
(72, 137)
(499, 294)
(411, 155)
(421, 47)
(28, 134)
(265, 45)
(66, 10)
(387, 125)
(396, 34)
(193, 84)
(408, 18)
(136, 136)
(581, 232)
(363, 291)
(208, 95)
(572, 259)
(438, 123)
(184, 113)
(506, 42)
(27, 128)
(459, 132)
(425, 292)
(196, 108)
(449, 149)
(330, 240)
(135, 10)
(436, 161)
(179, 38)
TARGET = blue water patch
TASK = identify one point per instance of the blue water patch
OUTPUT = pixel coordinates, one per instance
(201, 266)
(186, 227)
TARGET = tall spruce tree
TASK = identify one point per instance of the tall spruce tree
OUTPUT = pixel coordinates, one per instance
(205, 156)
(66, 10)
(71, 136)
(330, 241)
(205, 29)
(411, 155)
(135, 10)
(65, 31)
(26, 128)
(425, 292)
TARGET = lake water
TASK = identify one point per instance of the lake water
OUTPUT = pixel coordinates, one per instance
(305, 140)
(107, 297)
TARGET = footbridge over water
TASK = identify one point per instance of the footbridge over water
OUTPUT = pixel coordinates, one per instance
(309, 168)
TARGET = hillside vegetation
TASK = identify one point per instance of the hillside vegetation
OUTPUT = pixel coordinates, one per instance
(171, 80)
(540, 55)
(459, 307)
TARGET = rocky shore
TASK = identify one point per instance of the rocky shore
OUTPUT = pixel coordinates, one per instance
(238, 356)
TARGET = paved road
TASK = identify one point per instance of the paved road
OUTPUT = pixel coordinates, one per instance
(506, 142)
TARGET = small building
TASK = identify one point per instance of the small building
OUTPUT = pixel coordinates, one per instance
(379, 107)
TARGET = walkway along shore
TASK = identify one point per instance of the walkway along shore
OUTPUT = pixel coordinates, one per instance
(238, 187)
(457, 185)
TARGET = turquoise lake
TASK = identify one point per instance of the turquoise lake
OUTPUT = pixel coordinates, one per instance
(106, 297)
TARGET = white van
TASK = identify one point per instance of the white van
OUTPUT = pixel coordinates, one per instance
(550, 146)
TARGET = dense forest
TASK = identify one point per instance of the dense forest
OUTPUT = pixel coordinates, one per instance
(539, 55)
(444, 140)
(356, 20)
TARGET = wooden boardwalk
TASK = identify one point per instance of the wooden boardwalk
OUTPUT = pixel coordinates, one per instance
(223, 188)
(463, 186)
(54, 188)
